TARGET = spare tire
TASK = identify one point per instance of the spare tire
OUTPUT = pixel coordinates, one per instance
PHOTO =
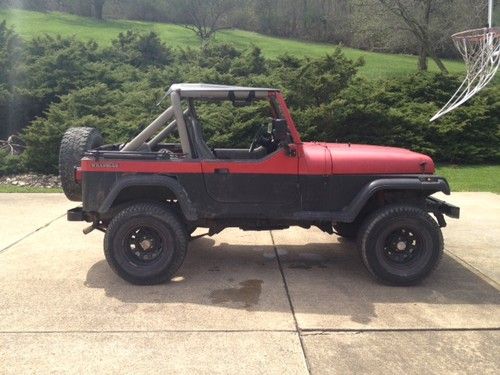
(73, 145)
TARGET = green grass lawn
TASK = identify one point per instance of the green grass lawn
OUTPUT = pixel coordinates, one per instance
(461, 178)
(472, 177)
(378, 65)
(5, 188)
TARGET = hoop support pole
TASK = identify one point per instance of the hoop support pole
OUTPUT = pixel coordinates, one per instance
(490, 14)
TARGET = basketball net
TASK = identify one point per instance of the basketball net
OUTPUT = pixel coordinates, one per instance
(480, 49)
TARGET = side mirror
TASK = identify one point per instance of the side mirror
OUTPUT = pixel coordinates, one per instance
(291, 149)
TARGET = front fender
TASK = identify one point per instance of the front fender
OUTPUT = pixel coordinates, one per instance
(426, 184)
(170, 183)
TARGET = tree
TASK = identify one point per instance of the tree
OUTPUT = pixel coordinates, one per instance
(140, 50)
(11, 61)
(206, 17)
(83, 8)
(98, 5)
(416, 15)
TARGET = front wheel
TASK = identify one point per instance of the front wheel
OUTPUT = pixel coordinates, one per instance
(145, 244)
(400, 245)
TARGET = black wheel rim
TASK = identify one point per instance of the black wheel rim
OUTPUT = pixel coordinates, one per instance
(402, 246)
(143, 245)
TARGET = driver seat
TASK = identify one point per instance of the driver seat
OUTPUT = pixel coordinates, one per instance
(197, 141)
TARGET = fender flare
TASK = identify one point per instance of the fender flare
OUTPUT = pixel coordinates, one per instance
(170, 183)
(428, 184)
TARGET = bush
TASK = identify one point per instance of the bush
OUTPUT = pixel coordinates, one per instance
(117, 114)
(140, 50)
(10, 164)
(397, 113)
(62, 82)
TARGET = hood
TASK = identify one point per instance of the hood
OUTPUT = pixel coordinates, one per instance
(367, 159)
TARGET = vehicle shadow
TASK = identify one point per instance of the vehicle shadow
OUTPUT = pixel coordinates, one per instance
(322, 278)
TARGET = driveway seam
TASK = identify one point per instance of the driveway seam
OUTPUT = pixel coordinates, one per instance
(292, 309)
(320, 331)
(30, 233)
(155, 331)
(474, 270)
(304, 331)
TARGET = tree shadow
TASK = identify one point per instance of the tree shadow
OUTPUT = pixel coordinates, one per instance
(323, 278)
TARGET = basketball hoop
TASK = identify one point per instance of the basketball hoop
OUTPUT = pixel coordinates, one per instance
(480, 49)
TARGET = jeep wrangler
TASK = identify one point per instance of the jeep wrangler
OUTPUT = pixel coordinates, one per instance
(149, 194)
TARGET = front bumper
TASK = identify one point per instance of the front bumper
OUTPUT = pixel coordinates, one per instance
(436, 205)
(440, 208)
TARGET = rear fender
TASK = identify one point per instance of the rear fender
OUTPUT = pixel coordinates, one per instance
(170, 183)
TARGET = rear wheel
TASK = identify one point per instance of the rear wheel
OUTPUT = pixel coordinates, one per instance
(145, 244)
(73, 145)
(400, 245)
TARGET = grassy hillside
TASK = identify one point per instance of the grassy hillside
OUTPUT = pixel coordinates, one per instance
(29, 24)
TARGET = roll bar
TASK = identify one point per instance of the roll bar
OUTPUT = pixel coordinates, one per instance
(175, 99)
(163, 133)
(174, 111)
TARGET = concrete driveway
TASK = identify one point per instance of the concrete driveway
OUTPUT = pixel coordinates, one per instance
(291, 301)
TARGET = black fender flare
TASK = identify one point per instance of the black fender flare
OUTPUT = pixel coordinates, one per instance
(187, 207)
(427, 184)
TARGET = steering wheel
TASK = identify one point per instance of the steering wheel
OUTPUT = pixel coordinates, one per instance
(257, 139)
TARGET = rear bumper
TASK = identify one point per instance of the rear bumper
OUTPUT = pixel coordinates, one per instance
(438, 206)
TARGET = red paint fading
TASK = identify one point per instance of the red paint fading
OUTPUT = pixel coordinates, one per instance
(312, 159)
(278, 163)
(140, 166)
(365, 159)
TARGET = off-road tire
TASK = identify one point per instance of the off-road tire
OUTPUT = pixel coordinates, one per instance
(173, 240)
(73, 145)
(347, 230)
(380, 232)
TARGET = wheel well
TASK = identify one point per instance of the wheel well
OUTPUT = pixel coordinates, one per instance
(389, 196)
(133, 194)
(412, 197)
(151, 193)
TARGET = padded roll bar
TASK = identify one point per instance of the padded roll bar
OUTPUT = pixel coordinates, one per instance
(150, 130)
(175, 99)
(163, 133)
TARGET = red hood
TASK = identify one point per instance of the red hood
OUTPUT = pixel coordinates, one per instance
(367, 159)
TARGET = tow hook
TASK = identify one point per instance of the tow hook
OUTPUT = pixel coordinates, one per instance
(95, 225)
(440, 219)
(89, 229)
